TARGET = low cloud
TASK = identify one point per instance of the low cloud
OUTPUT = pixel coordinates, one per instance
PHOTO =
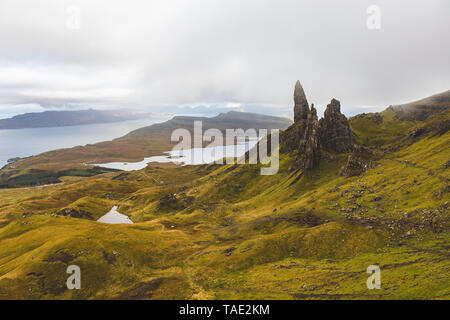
(211, 54)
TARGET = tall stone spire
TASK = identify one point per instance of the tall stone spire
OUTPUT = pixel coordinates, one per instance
(311, 143)
(308, 136)
(301, 108)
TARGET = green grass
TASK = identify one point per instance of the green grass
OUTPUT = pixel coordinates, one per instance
(389, 131)
(294, 235)
(41, 177)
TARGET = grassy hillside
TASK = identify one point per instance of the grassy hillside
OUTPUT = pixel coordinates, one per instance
(226, 232)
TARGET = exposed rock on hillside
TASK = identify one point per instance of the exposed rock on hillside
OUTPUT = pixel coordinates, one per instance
(417, 132)
(74, 213)
(335, 132)
(377, 118)
(308, 136)
(309, 150)
(290, 137)
(172, 201)
(358, 162)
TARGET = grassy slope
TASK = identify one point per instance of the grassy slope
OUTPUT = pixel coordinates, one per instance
(232, 233)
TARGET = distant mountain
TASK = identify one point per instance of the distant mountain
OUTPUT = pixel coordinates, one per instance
(229, 120)
(144, 142)
(68, 118)
(422, 109)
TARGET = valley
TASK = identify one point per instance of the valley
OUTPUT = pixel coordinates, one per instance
(370, 190)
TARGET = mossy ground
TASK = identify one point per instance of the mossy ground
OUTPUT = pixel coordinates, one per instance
(226, 232)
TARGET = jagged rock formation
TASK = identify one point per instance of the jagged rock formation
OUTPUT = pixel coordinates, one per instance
(308, 136)
(358, 162)
(301, 108)
(335, 133)
(289, 138)
(310, 144)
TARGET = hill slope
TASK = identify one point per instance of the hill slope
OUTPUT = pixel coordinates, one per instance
(226, 232)
(422, 109)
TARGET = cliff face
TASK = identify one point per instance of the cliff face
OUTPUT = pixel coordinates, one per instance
(335, 133)
(309, 150)
(308, 136)
(301, 106)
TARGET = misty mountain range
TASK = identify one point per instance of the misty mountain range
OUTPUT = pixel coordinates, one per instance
(69, 118)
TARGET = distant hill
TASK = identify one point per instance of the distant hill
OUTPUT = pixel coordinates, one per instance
(227, 232)
(229, 120)
(68, 118)
(135, 146)
(422, 109)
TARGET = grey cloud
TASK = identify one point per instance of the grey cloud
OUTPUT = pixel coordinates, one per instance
(145, 54)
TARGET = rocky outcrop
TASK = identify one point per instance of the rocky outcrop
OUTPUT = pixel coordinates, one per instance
(446, 165)
(172, 201)
(74, 213)
(335, 133)
(309, 150)
(301, 107)
(13, 160)
(308, 136)
(358, 162)
(377, 118)
(416, 132)
(290, 138)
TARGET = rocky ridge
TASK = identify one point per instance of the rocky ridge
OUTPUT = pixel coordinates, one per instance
(309, 137)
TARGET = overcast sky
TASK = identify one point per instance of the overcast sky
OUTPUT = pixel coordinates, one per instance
(219, 55)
